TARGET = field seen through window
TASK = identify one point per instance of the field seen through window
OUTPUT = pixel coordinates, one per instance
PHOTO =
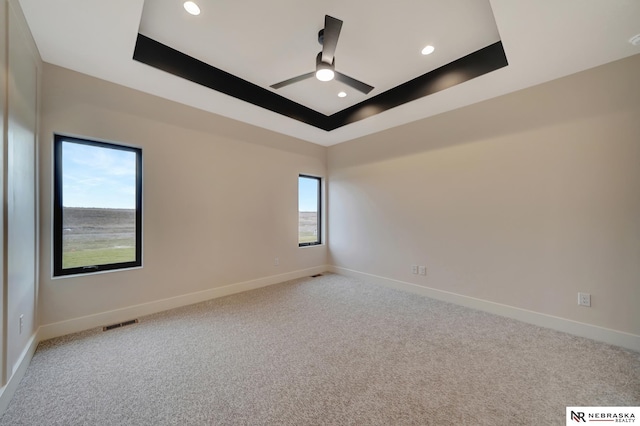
(307, 227)
(97, 236)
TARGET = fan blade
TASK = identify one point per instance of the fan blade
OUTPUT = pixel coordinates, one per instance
(332, 27)
(293, 80)
(352, 82)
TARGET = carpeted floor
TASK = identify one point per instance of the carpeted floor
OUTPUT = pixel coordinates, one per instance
(321, 351)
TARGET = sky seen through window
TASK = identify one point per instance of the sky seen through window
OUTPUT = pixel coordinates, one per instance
(98, 177)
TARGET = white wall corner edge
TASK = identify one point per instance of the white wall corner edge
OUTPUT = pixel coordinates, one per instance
(19, 370)
(74, 325)
(601, 334)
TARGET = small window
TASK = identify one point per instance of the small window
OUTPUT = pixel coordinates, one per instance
(97, 212)
(309, 211)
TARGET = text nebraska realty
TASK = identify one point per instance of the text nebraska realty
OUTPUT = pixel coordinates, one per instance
(612, 417)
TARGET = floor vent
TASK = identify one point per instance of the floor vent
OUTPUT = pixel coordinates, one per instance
(316, 275)
(118, 325)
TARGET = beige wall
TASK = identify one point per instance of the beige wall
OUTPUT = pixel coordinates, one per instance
(24, 64)
(523, 200)
(3, 168)
(220, 197)
(20, 63)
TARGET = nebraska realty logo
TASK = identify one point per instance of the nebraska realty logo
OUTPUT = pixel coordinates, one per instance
(602, 414)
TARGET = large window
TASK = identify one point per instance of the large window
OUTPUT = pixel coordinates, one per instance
(309, 210)
(97, 211)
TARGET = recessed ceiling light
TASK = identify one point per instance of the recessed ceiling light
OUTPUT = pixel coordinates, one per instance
(191, 7)
(428, 50)
(342, 94)
(635, 40)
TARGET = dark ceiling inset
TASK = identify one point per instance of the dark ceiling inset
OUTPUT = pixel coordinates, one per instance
(163, 57)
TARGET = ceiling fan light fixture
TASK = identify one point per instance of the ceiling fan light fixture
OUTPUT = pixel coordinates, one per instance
(326, 60)
(192, 8)
(325, 74)
(324, 70)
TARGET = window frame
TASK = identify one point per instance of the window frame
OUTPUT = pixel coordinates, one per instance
(58, 270)
(319, 219)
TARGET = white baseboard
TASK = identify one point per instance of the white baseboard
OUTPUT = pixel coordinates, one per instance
(614, 337)
(8, 390)
(75, 325)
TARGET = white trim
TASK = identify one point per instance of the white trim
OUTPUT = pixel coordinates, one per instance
(8, 390)
(613, 337)
(74, 325)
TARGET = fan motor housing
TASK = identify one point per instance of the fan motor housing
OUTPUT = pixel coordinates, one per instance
(319, 62)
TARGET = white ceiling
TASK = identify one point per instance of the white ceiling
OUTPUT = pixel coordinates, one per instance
(279, 40)
(266, 42)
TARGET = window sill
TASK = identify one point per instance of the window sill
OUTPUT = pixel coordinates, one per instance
(59, 277)
(313, 245)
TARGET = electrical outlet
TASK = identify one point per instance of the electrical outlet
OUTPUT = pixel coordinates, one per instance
(584, 299)
(422, 270)
(414, 269)
(276, 261)
(21, 322)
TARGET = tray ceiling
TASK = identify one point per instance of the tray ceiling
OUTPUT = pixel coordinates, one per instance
(266, 42)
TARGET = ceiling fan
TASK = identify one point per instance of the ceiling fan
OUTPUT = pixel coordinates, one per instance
(326, 62)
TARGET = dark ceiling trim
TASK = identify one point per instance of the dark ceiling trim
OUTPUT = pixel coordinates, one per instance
(478, 63)
(163, 57)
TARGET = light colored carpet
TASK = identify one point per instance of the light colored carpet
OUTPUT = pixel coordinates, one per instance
(330, 350)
